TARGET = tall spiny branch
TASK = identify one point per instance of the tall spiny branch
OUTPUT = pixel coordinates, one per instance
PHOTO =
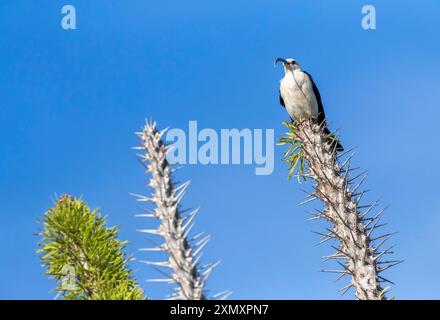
(359, 253)
(183, 253)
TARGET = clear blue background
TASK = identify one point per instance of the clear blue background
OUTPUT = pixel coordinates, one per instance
(70, 102)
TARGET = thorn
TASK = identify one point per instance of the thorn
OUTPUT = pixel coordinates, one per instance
(334, 256)
(187, 230)
(341, 155)
(316, 216)
(335, 271)
(386, 280)
(389, 261)
(196, 261)
(342, 252)
(201, 246)
(358, 176)
(377, 227)
(180, 191)
(348, 160)
(154, 243)
(363, 206)
(359, 193)
(156, 249)
(146, 215)
(307, 201)
(190, 218)
(358, 199)
(335, 132)
(209, 266)
(207, 238)
(345, 176)
(165, 264)
(160, 280)
(384, 236)
(208, 271)
(142, 198)
(369, 209)
(162, 132)
(197, 236)
(359, 184)
(381, 243)
(329, 235)
(390, 266)
(162, 272)
(170, 148)
(150, 231)
(322, 241)
(345, 267)
(335, 235)
(222, 295)
(344, 171)
(341, 276)
(325, 216)
(306, 192)
(175, 168)
(386, 251)
(345, 289)
(377, 218)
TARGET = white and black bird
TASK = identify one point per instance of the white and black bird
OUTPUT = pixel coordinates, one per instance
(300, 96)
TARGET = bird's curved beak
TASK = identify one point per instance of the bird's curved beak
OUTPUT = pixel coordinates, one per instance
(279, 60)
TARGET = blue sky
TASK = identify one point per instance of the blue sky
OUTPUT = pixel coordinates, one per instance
(72, 100)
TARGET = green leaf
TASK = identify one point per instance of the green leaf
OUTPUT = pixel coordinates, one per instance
(294, 152)
(83, 256)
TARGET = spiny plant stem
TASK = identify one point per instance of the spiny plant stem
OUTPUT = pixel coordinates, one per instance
(184, 254)
(351, 228)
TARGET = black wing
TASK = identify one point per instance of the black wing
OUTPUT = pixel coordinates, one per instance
(282, 101)
(321, 114)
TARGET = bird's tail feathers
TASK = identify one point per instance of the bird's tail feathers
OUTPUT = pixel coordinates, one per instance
(333, 140)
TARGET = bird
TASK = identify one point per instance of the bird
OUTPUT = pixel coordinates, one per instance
(300, 96)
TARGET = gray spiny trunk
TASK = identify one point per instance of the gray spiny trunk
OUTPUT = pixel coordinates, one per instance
(184, 253)
(351, 228)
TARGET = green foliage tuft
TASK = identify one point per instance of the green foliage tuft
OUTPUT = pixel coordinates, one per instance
(294, 155)
(83, 256)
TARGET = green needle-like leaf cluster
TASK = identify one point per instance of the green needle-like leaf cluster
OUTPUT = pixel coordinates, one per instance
(83, 255)
(294, 155)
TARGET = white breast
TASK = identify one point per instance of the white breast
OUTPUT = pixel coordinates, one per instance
(297, 92)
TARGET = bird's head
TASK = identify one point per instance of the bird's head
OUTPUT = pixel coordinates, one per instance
(289, 64)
